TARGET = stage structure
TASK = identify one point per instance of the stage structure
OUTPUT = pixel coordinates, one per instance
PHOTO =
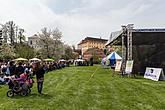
(145, 46)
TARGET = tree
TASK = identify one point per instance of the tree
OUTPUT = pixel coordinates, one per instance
(1, 37)
(4, 33)
(73, 47)
(21, 37)
(11, 31)
(46, 41)
(7, 52)
(58, 45)
(68, 53)
(57, 34)
(25, 51)
(52, 45)
(15, 49)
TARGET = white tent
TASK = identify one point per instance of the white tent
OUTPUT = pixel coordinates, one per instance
(113, 56)
(80, 60)
(62, 60)
(21, 59)
(34, 59)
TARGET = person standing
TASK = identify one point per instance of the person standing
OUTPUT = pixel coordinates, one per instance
(91, 61)
(19, 69)
(113, 65)
(39, 72)
(12, 68)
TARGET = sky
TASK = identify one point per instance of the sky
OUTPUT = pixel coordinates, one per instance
(78, 19)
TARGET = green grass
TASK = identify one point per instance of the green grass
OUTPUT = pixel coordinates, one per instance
(73, 89)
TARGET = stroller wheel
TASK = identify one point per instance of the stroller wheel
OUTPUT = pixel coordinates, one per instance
(23, 93)
(10, 93)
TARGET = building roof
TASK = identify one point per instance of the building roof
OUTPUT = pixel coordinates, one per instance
(140, 36)
(150, 30)
(93, 39)
(34, 36)
(113, 36)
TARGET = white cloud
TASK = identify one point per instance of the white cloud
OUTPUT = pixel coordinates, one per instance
(82, 18)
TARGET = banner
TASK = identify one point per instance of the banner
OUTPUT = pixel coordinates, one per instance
(118, 66)
(129, 67)
(155, 74)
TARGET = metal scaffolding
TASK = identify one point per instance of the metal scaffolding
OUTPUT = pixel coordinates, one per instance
(144, 46)
(129, 41)
(126, 45)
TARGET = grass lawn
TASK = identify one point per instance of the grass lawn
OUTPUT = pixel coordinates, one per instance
(72, 89)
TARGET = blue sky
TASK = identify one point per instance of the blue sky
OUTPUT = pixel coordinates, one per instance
(80, 18)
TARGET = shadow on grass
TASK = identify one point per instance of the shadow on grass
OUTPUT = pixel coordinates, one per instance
(43, 95)
(33, 95)
(132, 76)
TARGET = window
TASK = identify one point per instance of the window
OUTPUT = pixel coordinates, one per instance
(31, 42)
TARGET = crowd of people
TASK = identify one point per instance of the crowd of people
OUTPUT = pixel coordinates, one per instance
(16, 69)
(38, 69)
(83, 62)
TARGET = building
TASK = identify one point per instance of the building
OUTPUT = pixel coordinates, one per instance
(77, 53)
(90, 42)
(96, 53)
(146, 47)
(33, 42)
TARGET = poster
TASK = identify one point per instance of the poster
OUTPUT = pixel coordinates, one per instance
(129, 67)
(118, 66)
(155, 74)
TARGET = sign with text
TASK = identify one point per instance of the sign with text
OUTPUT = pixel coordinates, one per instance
(118, 66)
(155, 74)
(129, 67)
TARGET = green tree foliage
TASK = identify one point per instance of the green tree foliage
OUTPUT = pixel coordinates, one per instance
(50, 44)
(25, 51)
(13, 42)
(96, 58)
(12, 34)
(68, 53)
(7, 51)
(4, 33)
(11, 26)
(21, 37)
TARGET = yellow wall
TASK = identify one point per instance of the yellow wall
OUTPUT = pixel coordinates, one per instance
(91, 44)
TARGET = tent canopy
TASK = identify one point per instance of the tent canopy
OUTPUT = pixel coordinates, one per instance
(113, 56)
(48, 59)
(21, 59)
(81, 60)
(34, 59)
(62, 60)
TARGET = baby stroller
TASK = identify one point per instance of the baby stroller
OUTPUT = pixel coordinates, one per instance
(17, 86)
(29, 81)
